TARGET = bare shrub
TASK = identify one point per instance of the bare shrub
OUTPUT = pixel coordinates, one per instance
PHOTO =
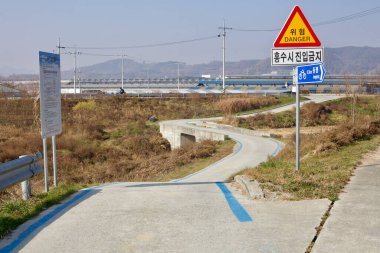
(234, 105)
(17, 112)
(313, 114)
(96, 132)
(265, 120)
(12, 148)
(89, 105)
(350, 132)
(86, 151)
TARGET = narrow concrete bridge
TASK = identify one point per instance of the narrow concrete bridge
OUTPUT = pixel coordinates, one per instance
(180, 135)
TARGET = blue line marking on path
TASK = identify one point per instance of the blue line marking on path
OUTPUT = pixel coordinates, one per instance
(235, 206)
(278, 148)
(239, 211)
(43, 221)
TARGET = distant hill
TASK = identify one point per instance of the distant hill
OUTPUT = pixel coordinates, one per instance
(352, 60)
(338, 61)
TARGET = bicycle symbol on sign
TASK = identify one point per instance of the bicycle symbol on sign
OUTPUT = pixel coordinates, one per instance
(302, 75)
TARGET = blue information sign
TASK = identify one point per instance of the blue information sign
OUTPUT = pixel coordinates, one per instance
(313, 73)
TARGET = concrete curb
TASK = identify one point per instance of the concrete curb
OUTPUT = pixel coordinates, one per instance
(251, 187)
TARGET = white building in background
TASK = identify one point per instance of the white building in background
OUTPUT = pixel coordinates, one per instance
(208, 76)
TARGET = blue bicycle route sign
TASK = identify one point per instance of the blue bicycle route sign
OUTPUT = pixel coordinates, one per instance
(313, 73)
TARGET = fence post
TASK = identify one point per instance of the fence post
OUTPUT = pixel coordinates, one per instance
(26, 188)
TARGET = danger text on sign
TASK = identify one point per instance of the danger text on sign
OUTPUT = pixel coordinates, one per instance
(297, 32)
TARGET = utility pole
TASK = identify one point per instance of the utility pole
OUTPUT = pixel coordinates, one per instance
(178, 75)
(122, 71)
(147, 75)
(223, 35)
(75, 61)
(80, 88)
(75, 70)
(59, 46)
(53, 140)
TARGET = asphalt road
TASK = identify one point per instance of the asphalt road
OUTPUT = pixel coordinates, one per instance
(198, 213)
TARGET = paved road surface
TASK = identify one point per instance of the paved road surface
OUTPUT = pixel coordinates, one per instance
(354, 222)
(184, 217)
(195, 214)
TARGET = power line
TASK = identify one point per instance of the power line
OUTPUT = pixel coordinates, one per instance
(150, 45)
(326, 22)
(350, 17)
(255, 30)
(104, 55)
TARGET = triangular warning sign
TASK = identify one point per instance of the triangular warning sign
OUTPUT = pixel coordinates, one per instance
(297, 32)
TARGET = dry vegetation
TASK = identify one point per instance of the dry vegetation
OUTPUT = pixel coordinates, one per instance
(105, 139)
(312, 114)
(111, 138)
(235, 105)
(327, 158)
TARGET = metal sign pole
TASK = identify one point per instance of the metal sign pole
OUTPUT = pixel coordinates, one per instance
(54, 161)
(224, 58)
(46, 172)
(295, 81)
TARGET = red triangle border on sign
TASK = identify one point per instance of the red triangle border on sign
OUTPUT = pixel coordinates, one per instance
(278, 43)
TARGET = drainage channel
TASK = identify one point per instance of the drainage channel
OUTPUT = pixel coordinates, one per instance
(319, 228)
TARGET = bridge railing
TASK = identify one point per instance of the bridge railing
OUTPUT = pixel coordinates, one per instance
(20, 170)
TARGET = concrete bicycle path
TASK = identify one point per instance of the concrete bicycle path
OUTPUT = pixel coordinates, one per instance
(354, 221)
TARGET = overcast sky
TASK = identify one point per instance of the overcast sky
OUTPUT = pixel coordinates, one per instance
(28, 26)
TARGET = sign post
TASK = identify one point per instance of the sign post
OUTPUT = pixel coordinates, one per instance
(298, 130)
(297, 44)
(50, 107)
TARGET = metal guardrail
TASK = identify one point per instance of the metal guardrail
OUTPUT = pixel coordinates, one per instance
(20, 170)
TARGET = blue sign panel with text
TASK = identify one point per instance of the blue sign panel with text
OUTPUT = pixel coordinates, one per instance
(313, 73)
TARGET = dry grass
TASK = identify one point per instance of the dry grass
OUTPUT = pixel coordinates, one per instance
(108, 138)
(327, 158)
(223, 149)
(234, 105)
(322, 175)
(312, 114)
(103, 140)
